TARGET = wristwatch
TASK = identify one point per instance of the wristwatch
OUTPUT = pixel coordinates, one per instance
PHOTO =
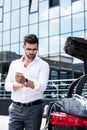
(26, 82)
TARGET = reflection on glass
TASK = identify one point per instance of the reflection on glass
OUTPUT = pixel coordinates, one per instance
(0, 38)
(15, 35)
(66, 24)
(0, 26)
(33, 18)
(43, 47)
(6, 21)
(24, 3)
(77, 6)
(78, 22)
(85, 5)
(15, 48)
(54, 45)
(86, 20)
(34, 6)
(53, 3)
(15, 4)
(34, 29)
(6, 5)
(24, 16)
(74, 0)
(43, 29)
(15, 16)
(66, 58)
(65, 7)
(6, 37)
(0, 14)
(23, 32)
(1, 2)
(43, 11)
(54, 12)
(78, 34)
(6, 48)
(54, 27)
(0, 48)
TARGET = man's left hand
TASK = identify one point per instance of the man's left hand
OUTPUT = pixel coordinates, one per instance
(19, 77)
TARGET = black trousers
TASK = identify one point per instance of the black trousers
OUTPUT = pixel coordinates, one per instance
(21, 117)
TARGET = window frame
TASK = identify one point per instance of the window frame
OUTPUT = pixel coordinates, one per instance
(30, 6)
(1, 17)
(54, 3)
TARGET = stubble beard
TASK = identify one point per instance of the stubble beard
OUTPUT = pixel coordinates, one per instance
(31, 56)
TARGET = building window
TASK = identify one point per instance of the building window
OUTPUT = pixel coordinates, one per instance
(53, 3)
(1, 11)
(74, 0)
(33, 6)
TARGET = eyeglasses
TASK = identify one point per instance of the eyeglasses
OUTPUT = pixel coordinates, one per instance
(33, 50)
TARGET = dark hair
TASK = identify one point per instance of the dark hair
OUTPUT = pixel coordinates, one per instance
(31, 38)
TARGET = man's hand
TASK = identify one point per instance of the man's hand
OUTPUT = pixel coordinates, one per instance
(17, 86)
(19, 77)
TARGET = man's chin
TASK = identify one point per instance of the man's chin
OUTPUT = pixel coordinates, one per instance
(31, 57)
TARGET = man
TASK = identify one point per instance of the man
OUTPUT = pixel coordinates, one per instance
(27, 79)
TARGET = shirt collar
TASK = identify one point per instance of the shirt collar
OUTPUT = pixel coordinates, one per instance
(35, 59)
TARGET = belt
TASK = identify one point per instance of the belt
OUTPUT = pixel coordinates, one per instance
(28, 104)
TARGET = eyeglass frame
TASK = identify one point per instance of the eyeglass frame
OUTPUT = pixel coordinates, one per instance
(33, 50)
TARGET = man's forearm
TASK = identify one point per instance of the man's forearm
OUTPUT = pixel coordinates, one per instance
(17, 86)
(29, 84)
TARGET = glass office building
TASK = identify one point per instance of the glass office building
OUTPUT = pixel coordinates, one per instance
(52, 21)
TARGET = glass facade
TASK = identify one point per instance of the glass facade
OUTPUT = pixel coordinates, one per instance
(51, 20)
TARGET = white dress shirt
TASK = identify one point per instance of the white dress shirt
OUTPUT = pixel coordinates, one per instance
(37, 71)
